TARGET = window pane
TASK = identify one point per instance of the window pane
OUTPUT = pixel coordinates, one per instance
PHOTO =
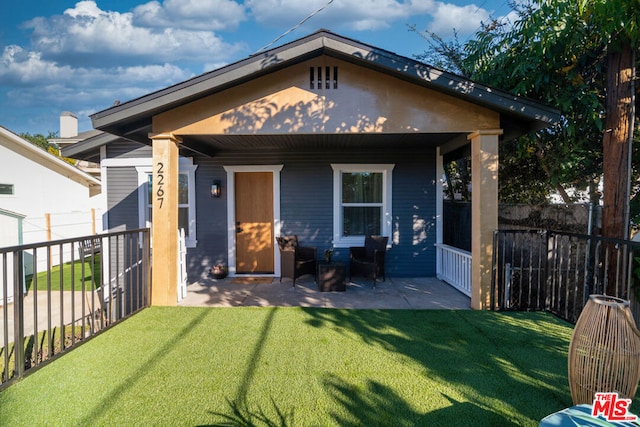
(361, 221)
(183, 189)
(149, 189)
(183, 220)
(6, 188)
(361, 187)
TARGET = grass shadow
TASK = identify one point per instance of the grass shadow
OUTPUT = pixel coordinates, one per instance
(104, 406)
(378, 405)
(240, 415)
(495, 359)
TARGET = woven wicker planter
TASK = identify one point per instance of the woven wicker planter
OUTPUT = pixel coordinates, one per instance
(604, 354)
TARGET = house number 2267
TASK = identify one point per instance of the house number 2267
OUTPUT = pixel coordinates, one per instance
(160, 184)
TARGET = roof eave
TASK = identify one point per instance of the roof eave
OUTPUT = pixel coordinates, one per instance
(54, 163)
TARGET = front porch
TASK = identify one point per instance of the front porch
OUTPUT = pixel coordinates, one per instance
(420, 293)
(284, 121)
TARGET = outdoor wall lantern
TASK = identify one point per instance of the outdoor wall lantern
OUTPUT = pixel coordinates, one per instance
(216, 188)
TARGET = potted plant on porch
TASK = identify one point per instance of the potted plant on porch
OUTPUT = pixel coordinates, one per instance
(328, 253)
(219, 271)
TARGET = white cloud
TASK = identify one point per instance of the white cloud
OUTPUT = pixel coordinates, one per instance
(21, 67)
(366, 15)
(209, 15)
(464, 19)
(85, 58)
(353, 14)
(86, 34)
(38, 80)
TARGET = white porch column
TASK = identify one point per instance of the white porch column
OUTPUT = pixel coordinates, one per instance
(164, 227)
(484, 212)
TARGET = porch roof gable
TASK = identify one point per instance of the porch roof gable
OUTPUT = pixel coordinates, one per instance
(133, 119)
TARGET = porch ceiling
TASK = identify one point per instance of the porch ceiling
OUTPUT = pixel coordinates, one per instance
(209, 145)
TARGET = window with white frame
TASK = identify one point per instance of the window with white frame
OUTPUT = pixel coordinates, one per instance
(361, 202)
(186, 199)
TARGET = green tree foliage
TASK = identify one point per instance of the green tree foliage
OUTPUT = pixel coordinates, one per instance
(40, 140)
(555, 52)
(43, 142)
(457, 171)
(526, 181)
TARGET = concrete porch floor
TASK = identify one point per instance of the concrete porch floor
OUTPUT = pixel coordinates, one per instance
(394, 293)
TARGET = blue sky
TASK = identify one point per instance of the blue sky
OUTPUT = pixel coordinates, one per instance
(81, 56)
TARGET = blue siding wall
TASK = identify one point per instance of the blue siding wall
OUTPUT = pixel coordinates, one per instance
(122, 199)
(306, 202)
(414, 213)
(307, 205)
(128, 149)
(211, 221)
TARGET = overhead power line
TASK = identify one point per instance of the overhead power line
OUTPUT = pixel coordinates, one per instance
(295, 26)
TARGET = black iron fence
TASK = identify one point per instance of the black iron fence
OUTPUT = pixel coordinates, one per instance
(55, 295)
(557, 271)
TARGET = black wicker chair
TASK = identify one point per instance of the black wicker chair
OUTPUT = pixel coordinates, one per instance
(296, 260)
(368, 260)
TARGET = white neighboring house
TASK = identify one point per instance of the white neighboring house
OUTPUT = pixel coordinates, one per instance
(43, 197)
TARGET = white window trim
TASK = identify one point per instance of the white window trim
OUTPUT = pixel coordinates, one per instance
(185, 166)
(340, 241)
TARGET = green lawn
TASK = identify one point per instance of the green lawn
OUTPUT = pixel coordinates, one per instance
(304, 367)
(91, 281)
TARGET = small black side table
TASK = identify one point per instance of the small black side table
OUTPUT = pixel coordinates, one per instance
(332, 277)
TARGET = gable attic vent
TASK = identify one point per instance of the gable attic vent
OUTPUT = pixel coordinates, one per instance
(316, 80)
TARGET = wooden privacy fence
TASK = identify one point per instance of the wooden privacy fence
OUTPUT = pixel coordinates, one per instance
(557, 271)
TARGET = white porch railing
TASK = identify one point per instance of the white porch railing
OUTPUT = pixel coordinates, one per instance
(454, 267)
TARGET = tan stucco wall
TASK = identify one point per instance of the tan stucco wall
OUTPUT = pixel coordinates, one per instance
(365, 101)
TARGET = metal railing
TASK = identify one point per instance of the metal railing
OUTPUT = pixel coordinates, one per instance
(557, 271)
(454, 267)
(54, 295)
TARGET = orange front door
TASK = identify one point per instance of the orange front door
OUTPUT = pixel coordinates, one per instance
(254, 222)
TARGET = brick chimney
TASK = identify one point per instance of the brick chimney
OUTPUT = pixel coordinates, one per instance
(68, 125)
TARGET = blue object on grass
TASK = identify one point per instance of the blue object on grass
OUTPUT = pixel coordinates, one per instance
(580, 415)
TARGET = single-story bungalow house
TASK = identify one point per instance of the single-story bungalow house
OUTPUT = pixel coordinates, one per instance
(326, 138)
